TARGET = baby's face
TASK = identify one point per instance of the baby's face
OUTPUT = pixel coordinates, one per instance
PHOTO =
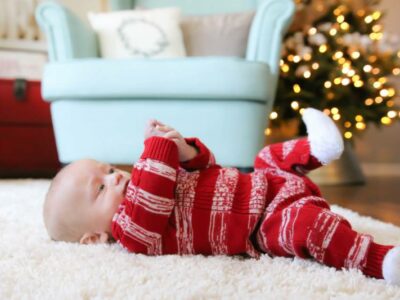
(97, 191)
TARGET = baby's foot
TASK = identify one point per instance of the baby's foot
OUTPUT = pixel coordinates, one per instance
(391, 266)
(325, 139)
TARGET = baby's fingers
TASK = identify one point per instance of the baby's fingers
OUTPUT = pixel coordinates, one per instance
(154, 123)
(164, 128)
(159, 123)
(151, 123)
(173, 134)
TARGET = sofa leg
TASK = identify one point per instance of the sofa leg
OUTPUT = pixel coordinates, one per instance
(246, 169)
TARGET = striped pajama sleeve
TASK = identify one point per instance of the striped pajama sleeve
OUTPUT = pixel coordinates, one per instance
(149, 198)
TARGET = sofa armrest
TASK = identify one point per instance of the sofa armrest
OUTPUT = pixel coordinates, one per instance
(270, 23)
(67, 36)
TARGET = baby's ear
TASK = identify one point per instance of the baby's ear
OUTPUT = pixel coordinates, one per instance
(94, 238)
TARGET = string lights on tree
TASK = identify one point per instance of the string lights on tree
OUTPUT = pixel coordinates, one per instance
(342, 63)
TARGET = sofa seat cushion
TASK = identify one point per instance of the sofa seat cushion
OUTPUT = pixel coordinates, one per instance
(177, 78)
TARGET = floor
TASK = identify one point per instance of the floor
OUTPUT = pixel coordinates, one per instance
(378, 198)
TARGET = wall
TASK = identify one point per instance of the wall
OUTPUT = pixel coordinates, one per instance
(82, 7)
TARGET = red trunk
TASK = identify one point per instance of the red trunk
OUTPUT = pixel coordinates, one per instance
(27, 144)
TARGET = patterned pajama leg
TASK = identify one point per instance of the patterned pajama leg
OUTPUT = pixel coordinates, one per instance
(306, 230)
(291, 156)
(298, 222)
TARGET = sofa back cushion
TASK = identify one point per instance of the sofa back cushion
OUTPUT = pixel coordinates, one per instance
(221, 34)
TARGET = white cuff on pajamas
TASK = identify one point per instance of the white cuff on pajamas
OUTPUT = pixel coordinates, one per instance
(325, 139)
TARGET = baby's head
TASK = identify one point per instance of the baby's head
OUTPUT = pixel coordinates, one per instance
(82, 200)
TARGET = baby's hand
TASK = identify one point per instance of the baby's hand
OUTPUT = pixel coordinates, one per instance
(186, 152)
(150, 129)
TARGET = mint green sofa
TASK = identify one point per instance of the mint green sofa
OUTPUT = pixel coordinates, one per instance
(100, 106)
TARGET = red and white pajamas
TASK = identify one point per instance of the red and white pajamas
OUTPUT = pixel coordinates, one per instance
(298, 221)
(198, 207)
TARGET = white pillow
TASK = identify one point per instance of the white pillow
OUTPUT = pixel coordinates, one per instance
(154, 33)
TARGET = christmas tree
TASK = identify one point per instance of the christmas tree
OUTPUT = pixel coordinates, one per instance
(341, 63)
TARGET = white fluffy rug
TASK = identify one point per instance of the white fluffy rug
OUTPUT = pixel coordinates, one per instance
(33, 267)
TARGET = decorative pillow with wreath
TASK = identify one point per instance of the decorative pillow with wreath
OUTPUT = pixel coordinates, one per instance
(154, 33)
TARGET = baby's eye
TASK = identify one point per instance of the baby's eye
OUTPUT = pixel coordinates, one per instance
(111, 171)
(101, 187)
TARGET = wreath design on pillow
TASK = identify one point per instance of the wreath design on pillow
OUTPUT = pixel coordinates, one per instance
(142, 37)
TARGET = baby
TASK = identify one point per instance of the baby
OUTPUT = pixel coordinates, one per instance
(179, 201)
